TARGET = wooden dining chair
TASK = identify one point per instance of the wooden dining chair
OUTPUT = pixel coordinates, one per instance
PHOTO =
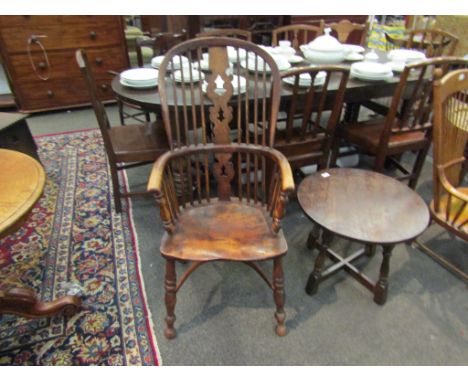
(187, 103)
(227, 32)
(298, 34)
(208, 209)
(160, 43)
(126, 146)
(449, 206)
(408, 124)
(312, 115)
(348, 32)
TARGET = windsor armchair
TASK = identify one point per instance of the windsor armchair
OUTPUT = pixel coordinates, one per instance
(298, 34)
(227, 32)
(221, 200)
(433, 42)
(449, 206)
(349, 32)
(126, 146)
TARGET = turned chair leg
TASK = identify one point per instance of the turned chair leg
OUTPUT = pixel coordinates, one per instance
(278, 294)
(314, 278)
(116, 187)
(381, 288)
(170, 298)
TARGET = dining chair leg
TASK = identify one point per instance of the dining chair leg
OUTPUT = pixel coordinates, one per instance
(278, 294)
(315, 277)
(381, 288)
(121, 112)
(170, 298)
(417, 168)
(116, 188)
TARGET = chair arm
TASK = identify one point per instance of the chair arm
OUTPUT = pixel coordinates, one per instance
(445, 182)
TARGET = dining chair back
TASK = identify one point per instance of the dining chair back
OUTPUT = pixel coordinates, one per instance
(348, 32)
(313, 112)
(433, 42)
(298, 34)
(160, 43)
(408, 123)
(126, 146)
(213, 89)
(449, 206)
(227, 32)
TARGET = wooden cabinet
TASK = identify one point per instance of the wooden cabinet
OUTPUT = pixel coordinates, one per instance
(39, 57)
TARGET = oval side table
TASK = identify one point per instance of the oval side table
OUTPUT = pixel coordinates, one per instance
(364, 207)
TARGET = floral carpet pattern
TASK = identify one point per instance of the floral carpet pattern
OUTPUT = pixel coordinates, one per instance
(74, 240)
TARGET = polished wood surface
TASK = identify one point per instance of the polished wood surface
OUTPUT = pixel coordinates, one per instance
(449, 206)
(408, 123)
(45, 79)
(298, 34)
(22, 181)
(378, 209)
(126, 146)
(304, 138)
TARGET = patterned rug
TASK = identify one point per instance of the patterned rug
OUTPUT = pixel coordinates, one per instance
(73, 239)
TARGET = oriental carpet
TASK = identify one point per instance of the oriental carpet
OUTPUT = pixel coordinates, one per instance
(74, 240)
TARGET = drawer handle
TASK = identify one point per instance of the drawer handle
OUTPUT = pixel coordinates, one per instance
(104, 87)
(36, 40)
(42, 65)
(99, 61)
(93, 35)
(50, 93)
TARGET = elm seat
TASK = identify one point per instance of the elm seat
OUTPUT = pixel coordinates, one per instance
(224, 231)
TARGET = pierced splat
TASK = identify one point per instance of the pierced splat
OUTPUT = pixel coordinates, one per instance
(224, 173)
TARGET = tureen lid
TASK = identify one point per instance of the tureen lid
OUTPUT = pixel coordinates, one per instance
(326, 42)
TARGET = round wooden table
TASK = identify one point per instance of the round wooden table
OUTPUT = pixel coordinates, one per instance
(22, 180)
(365, 207)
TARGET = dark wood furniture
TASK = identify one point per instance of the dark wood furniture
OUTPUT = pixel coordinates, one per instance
(348, 32)
(15, 134)
(126, 146)
(227, 32)
(38, 56)
(221, 200)
(364, 207)
(308, 131)
(408, 123)
(449, 206)
(298, 34)
(22, 181)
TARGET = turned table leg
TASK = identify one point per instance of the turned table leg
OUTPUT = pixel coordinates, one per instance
(381, 288)
(315, 276)
(278, 294)
(170, 298)
(313, 237)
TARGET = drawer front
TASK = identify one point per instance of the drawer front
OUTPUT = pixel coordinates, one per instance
(29, 20)
(62, 36)
(62, 64)
(60, 93)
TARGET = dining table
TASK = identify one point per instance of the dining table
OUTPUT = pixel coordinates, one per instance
(357, 92)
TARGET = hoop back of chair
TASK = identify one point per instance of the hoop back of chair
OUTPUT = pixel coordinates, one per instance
(433, 42)
(349, 32)
(298, 34)
(159, 43)
(98, 106)
(450, 127)
(212, 93)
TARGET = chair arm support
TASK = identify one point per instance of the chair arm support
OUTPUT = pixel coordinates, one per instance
(445, 182)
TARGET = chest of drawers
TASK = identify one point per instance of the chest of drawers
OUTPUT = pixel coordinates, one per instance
(39, 58)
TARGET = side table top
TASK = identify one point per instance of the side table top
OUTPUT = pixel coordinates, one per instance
(363, 205)
(22, 180)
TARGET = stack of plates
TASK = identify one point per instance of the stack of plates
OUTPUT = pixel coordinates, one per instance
(252, 66)
(232, 54)
(406, 55)
(353, 48)
(236, 80)
(156, 62)
(139, 78)
(371, 71)
(305, 80)
(186, 77)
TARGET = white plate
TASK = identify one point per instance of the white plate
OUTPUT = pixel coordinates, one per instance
(354, 48)
(371, 68)
(235, 81)
(397, 67)
(156, 62)
(353, 56)
(305, 80)
(406, 54)
(131, 85)
(381, 77)
(295, 59)
(232, 53)
(196, 76)
(139, 75)
(281, 66)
